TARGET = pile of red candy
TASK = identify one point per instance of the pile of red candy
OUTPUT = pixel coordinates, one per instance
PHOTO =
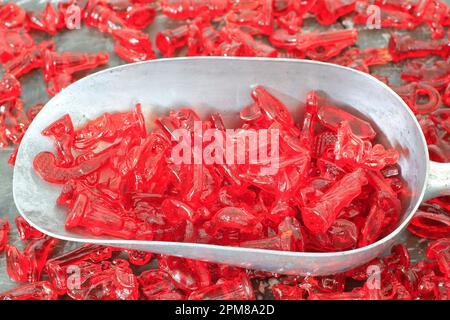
(334, 155)
(345, 186)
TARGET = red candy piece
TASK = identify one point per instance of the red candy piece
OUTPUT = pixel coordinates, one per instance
(185, 9)
(440, 251)
(362, 60)
(12, 15)
(331, 117)
(431, 222)
(49, 20)
(133, 189)
(328, 11)
(188, 275)
(71, 62)
(25, 230)
(156, 284)
(389, 18)
(10, 88)
(17, 264)
(28, 60)
(139, 258)
(320, 216)
(4, 230)
(255, 18)
(284, 242)
(99, 16)
(316, 45)
(61, 267)
(442, 117)
(236, 289)
(352, 150)
(35, 291)
(140, 15)
(133, 45)
(404, 47)
(13, 42)
(412, 92)
(58, 82)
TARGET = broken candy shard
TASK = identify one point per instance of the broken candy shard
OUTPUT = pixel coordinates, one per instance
(319, 217)
(236, 289)
(4, 230)
(331, 117)
(36, 291)
(25, 230)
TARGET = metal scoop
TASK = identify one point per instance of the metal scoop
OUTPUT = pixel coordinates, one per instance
(223, 84)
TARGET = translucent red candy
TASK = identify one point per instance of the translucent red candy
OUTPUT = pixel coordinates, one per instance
(184, 9)
(316, 45)
(26, 231)
(4, 231)
(12, 15)
(34, 291)
(334, 187)
(236, 289)
(27, 266)
(60, 268)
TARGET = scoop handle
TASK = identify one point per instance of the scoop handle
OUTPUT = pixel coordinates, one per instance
(438, 184)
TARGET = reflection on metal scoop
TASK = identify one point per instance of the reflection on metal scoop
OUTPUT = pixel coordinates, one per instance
(222, 84)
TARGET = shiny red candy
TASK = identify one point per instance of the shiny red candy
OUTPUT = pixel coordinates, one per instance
(184, 9)
(34, 291)
(334, 188)
(316, 45)
(25, 230)
(27, 266)
(71, 62)
(4, 231)
(13, 42)
(12, 15)
(49, 20)
(404, 47)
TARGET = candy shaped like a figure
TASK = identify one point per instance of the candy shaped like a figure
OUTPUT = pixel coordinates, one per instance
(133, 45)
(49, 20)
(236, 289)
(185, 9)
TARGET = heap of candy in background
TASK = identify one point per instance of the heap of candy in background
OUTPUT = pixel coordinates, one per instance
(233, 28)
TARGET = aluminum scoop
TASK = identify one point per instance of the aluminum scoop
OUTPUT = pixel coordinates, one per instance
(223, 84)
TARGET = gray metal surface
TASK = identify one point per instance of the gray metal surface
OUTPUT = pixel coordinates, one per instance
(91, 40)
(222, 84)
